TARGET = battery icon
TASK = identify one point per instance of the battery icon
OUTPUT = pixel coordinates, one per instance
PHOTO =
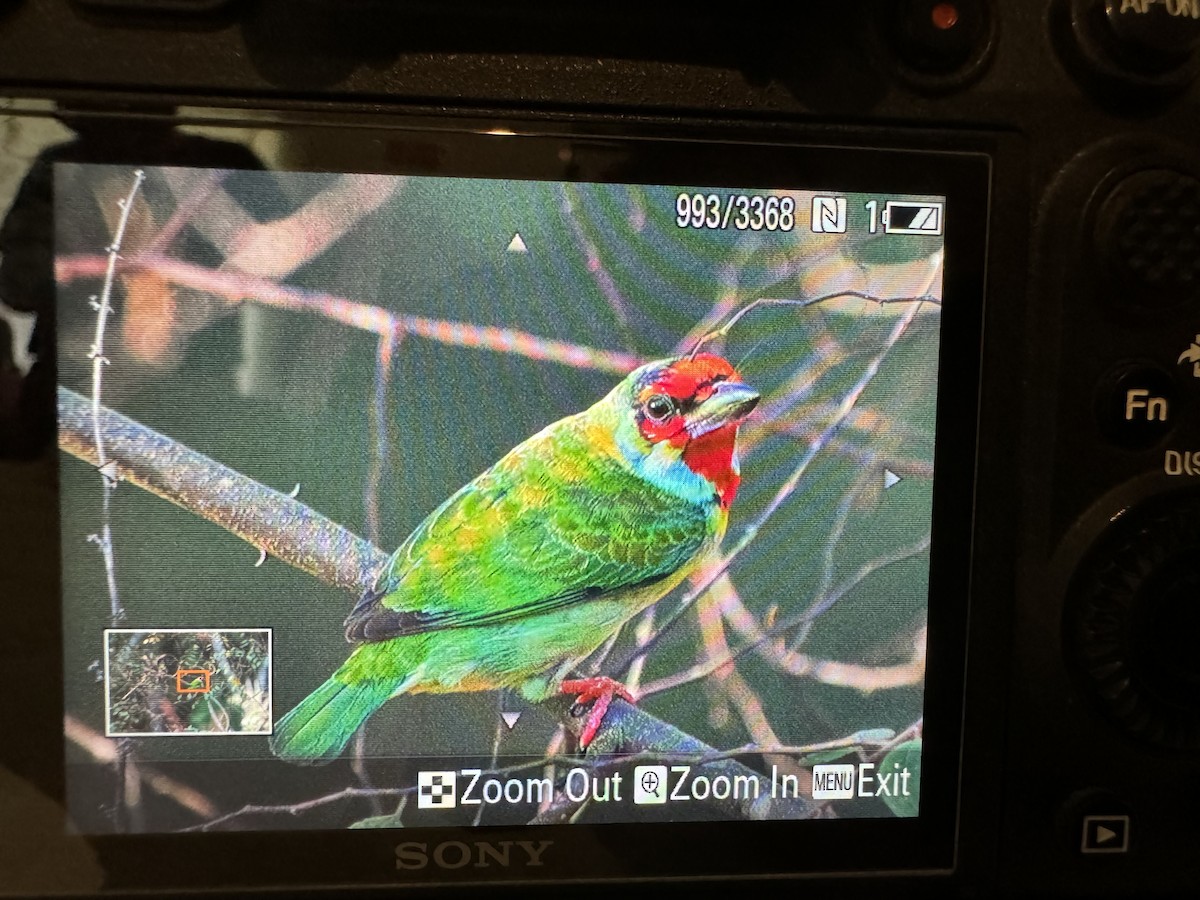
(904, 217)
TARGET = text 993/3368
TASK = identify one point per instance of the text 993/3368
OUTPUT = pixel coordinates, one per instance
(741, 212)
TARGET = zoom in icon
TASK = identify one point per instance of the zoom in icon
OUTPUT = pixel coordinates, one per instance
(649, 785)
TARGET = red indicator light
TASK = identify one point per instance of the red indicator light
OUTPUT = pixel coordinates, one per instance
(944, 16)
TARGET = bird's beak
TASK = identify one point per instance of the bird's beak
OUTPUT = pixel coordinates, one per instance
(729, 403)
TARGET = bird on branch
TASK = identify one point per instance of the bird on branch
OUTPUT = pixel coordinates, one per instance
(533, 565)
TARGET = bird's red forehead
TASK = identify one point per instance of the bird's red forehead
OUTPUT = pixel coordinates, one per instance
(684, 377)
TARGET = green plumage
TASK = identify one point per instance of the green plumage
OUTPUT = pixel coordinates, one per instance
(522, 572)
(319, 727)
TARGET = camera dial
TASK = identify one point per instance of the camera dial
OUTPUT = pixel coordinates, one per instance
(1132, 621)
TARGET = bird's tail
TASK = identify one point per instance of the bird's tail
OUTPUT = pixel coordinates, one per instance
(318, 729)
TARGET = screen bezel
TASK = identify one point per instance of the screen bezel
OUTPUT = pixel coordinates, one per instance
(643, 154)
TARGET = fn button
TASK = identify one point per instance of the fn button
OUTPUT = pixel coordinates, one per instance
(1137, 406)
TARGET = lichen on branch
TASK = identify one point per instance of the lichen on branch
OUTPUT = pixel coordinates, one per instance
(268, 519)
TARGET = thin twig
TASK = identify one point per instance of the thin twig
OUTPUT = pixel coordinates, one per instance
(103, 307)
(828, 561)
(750, 532)
(239, 288)
(729, 687)
(221, 658)
(695, 673)
(604, 280)
(724, 330)
(642, 633)
(128, 797)
(380, 453)
(827, 671)
(358, 765)
(497, 736)
(912, 732)
(103, 750)
(867, 679)
(380, 448)
(728, 278)
(186, 209)
(295, 809)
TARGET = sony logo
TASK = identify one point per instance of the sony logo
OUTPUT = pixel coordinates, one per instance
(481, 854)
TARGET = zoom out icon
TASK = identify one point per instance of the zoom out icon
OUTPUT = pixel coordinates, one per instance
(649, 785)
(437, 790)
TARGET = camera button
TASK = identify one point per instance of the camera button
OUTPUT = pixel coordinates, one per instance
(1138, 406)
(938, 45)
(939, 35)
(1094, 821)
(1148, 236)
(1129, 625)
(1160, 32)
(1133, 48)
(1105, 834)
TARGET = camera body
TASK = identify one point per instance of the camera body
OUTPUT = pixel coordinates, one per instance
(1080, 717)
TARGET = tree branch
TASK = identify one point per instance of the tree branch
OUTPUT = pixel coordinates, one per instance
(236, 288)
(630, 731)
(300, 537)
(105, 750)
(269, 520)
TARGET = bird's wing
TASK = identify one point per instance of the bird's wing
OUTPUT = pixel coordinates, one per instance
(538, 532)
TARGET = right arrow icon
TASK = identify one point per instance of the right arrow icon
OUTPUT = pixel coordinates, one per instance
(890, 479)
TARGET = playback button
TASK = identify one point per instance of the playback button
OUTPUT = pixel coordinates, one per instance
(1094, 821)
(1105, 834)
(1138, 405)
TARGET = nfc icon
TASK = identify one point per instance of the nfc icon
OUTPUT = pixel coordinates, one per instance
(829, 215)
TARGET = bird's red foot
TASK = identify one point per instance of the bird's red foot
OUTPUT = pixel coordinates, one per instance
(598, 691)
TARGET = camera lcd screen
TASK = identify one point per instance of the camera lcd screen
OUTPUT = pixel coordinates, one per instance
(426, 501)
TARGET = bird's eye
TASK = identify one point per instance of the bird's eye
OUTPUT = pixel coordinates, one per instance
(659, 407)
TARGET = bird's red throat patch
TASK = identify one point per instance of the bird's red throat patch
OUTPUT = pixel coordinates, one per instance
(711, 456)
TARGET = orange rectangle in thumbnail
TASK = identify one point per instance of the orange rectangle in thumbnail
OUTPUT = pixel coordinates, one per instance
(190, 675)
